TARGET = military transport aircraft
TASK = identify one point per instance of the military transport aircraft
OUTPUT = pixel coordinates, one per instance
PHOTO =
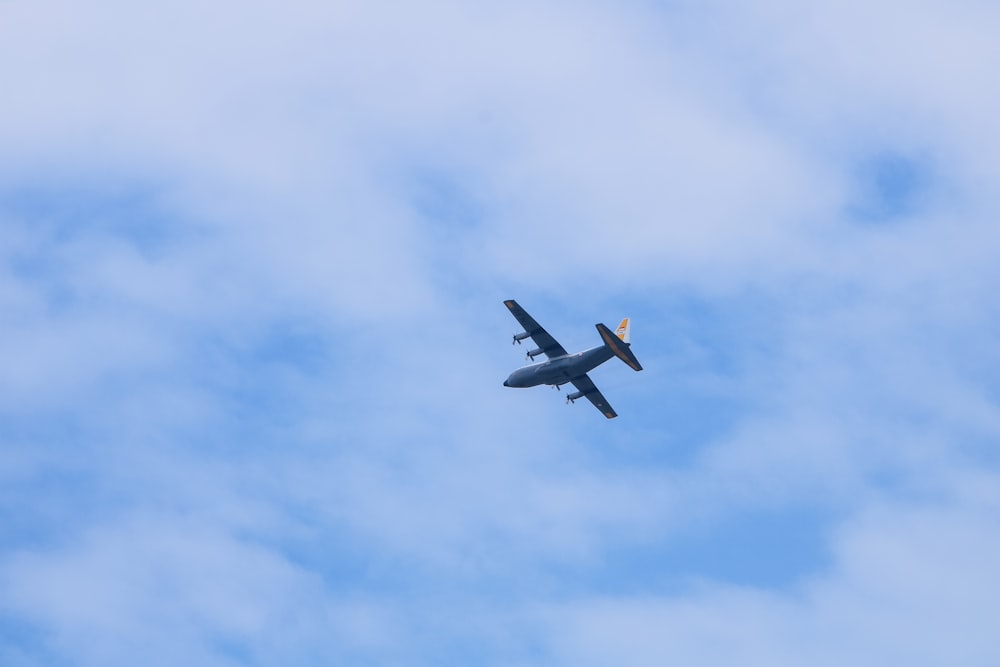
(563, 367)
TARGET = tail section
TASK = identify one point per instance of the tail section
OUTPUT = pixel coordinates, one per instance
(619, 343)
(624, 331)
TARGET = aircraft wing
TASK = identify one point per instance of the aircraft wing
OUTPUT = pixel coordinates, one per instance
(543, 339)
(591, 393)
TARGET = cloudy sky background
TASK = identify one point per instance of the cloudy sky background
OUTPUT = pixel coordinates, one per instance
(253, 256)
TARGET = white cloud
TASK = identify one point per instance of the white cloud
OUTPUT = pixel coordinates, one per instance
(299, 163)
(910, 584)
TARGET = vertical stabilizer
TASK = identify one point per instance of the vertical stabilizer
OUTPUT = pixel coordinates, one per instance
(624, 331)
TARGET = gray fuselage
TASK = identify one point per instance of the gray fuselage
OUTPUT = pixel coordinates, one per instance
(561, 369)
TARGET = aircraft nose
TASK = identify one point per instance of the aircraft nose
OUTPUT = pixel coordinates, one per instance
(505, 383)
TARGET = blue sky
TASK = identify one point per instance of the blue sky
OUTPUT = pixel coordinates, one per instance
(253, 261)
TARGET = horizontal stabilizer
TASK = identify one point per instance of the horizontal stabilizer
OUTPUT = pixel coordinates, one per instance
(619, 346)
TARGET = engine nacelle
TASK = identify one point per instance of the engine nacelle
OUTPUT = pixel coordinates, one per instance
(534, 353)
(519, 337)
(575, 395)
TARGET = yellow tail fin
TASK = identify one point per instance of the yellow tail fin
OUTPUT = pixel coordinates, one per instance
(624, 331)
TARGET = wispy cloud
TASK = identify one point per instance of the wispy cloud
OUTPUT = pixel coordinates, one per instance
(251, 264)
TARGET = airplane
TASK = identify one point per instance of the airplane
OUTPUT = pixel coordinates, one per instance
(562, 367)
